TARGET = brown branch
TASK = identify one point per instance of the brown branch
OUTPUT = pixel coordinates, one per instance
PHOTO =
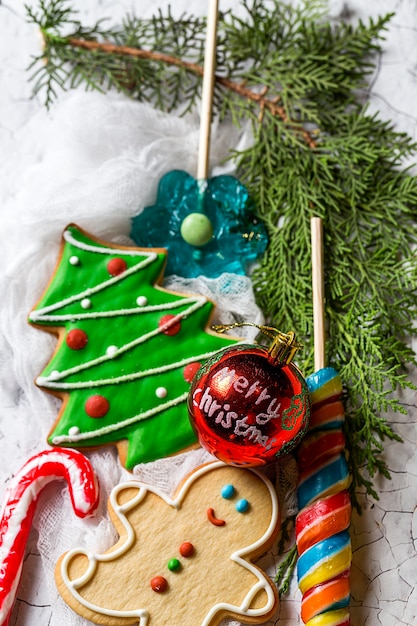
(266, 103)
(272, 106)
(111, 48)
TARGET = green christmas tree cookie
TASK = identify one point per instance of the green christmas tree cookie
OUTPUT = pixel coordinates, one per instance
(127, 352)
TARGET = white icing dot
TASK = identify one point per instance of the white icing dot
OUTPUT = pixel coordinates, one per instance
(161, 392)
(111, 350)
(86, 303)
(54, 375)
(142, 301)
(73, 431)
(74, 260)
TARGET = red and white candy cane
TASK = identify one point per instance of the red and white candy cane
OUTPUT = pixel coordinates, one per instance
(19, 508)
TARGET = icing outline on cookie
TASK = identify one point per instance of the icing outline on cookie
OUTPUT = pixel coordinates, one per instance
(237, 556)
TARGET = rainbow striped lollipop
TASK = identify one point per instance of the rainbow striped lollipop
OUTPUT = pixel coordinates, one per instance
(322, 524)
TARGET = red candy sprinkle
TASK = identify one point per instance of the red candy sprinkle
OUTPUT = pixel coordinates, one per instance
(77, 339)
(97, 406)
(190, 371)
(186, 549)
(159, 584)
(170, 330)
(116, 266)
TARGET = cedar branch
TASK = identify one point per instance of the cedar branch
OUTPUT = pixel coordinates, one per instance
(272, 105)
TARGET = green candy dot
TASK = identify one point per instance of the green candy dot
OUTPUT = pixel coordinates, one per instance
(174, 565)
(196, 229)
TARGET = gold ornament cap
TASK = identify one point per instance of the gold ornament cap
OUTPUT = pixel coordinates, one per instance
(283, 347)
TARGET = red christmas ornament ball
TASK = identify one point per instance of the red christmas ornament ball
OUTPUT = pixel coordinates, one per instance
(247, 407)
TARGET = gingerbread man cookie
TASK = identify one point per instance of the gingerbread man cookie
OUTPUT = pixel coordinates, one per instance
(182, 560)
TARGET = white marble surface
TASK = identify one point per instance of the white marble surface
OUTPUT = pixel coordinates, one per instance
(384, 573)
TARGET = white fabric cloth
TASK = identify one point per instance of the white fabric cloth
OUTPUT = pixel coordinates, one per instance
(99, 161)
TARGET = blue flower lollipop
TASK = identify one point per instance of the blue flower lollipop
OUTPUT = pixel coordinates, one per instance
(208, 226)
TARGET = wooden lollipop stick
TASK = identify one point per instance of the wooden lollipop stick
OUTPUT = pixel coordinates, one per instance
(207, 92)
(318, 292)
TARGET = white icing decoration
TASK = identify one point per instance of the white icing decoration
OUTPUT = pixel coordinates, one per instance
(142, 301)
(74, 430)
(238, 557)
(54, 375)
(86, 303)
(111, 428)
(48, 381)
(43, 313)
(132, 344)
(35, 315)
(112, 351)
(74, 260)
(161, 392)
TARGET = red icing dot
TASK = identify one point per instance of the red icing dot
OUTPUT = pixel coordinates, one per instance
(190, 371)
(97, 406)
(116, 266)
(77, 339)
(159, 584)
(170, 330)
(186, 549)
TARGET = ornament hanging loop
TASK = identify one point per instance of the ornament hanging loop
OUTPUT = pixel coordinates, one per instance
(283, 347)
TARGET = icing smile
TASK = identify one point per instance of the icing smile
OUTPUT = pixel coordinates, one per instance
(213, 519)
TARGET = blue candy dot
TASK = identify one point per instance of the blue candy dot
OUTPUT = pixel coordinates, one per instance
(242, 506)
(228, 491)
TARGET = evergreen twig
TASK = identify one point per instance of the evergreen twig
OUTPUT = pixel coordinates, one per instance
(286, 567)
(301, 82)
(285, 571)
(237, 87)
